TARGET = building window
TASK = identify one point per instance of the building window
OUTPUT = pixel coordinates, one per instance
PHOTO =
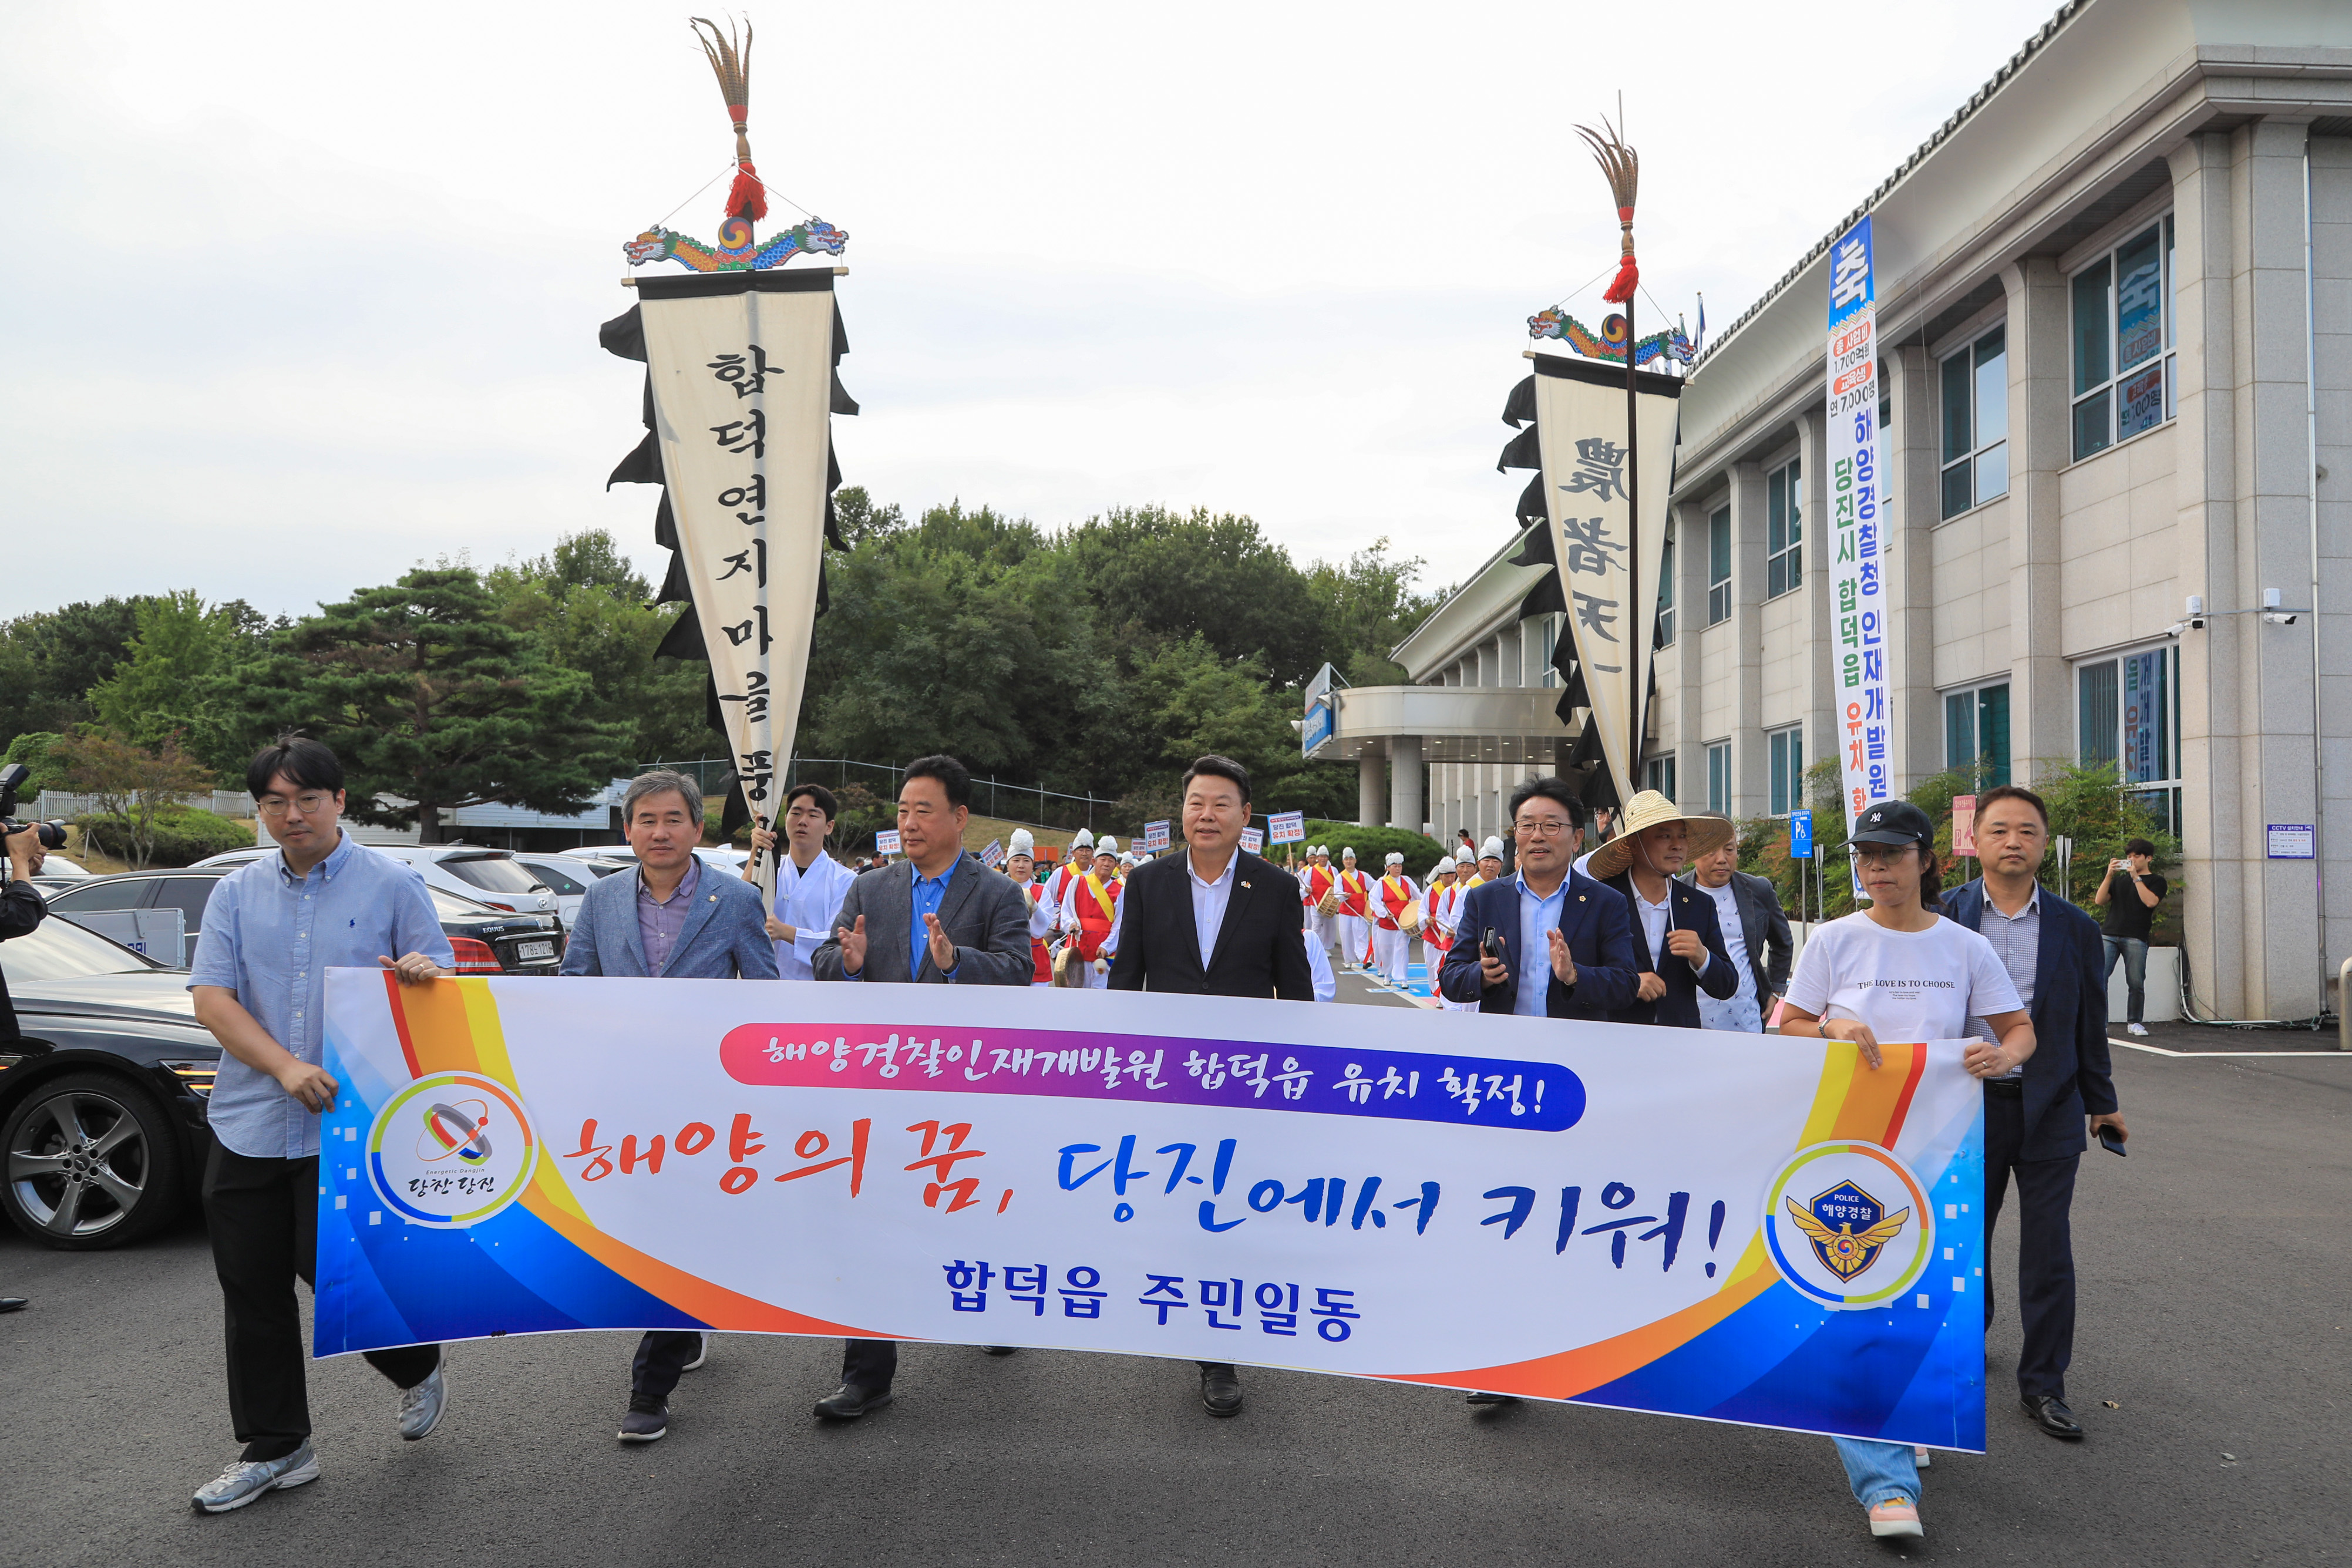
(1551, 676)
(1784, 530)
(1718, 566)
(1976, 424)
(2127, 713)
(1658, 774)
(2123, 340)
(1719, 777)
(1976, 732)
(1788, 749)
(1666, 591)
(1886, 397)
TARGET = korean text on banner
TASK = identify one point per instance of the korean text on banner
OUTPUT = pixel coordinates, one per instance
(741, 375)
(1857, 546)
(1210, 1178)
(885, 841)
(1155, 837)
(1287, 827)
(1253, 840)
(1581, 431)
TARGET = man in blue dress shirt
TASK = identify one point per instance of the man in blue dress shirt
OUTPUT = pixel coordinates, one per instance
(273, 928)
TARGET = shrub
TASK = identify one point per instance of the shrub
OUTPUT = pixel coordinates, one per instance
(183, 834)
(1372, 845)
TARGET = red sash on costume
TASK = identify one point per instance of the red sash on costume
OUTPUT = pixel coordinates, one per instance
(1355, 893)
(1095, 906)
(1395, 897)
(1042, 971)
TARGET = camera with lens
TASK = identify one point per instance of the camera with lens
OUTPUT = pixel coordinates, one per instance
(12, 779)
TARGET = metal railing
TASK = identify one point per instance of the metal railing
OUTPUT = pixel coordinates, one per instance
(1032, 804)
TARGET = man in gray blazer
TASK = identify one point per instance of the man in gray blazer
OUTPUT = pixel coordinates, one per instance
(672, 919)
(1756, 935)
(975, 927)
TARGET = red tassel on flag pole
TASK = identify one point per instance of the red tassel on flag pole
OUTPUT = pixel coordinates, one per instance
(731, 61)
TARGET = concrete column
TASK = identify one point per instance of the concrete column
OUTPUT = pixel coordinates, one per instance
(2041, 438)
(1371, 788)
(1685, 740)
(1910, 508)
(1751, 777)
(1404, 782)
(1820, 683)
(2331, 213)
(1510, 658)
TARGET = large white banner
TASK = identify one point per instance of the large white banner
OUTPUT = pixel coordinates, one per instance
(741, 366)
(1857, 542)
(1581, 430)
(1744, 1228)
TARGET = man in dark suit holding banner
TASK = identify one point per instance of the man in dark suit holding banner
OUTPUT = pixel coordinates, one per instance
(1215, 920)
(976, 932)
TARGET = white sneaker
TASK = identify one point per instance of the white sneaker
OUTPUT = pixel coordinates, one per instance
(245, 1481)
(2136, 1029)
(1922, 1457)
(421, 1407)
(701, 1355)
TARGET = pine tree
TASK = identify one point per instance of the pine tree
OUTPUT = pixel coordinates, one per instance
(433, 702)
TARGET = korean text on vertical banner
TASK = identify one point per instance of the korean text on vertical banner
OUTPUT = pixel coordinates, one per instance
(1858, 605)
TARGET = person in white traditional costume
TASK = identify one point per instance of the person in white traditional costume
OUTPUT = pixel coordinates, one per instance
(1021, 865)
(1391, 902)
(810, 883)
(1355, 912)
(1315, 885)
(1436, 929)
(1465, 876)
(1090, 908)
(1075, 865)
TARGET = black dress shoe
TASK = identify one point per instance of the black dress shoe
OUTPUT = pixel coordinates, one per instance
(1221, 1389)
(2049, 1414)
(1494, 1399)
(849, 1401)
(999, 1349)
(12, 1303)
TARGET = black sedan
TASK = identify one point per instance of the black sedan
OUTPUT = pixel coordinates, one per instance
(102, 1102)
(486, 941)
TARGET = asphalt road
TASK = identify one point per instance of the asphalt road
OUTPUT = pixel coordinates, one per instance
(2215, 1269)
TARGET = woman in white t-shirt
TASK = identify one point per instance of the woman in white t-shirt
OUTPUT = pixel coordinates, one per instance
(1900, 971)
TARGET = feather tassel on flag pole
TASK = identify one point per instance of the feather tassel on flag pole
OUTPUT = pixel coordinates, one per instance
(1622, 169)
(731, 62)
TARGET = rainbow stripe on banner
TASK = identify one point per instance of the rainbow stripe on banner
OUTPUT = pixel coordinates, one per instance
(1726, 1227)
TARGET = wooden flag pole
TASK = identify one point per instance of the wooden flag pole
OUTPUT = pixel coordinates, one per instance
(1622, 169)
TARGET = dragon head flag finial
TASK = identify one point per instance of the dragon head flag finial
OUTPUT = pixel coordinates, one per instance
(1621, 167)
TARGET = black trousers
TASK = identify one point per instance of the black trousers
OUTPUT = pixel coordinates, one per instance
(2045, 1244)
(866, 1363)
(263, 1216)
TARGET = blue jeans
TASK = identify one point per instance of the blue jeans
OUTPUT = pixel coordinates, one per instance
(1879, 1472)
(2134, 952)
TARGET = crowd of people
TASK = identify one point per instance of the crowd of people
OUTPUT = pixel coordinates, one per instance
(1653, 924)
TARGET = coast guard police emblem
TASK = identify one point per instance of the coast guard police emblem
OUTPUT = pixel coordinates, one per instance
(1847, 1227)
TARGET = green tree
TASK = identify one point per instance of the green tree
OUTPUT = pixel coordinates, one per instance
(1152, 574)
(37, 749)
(433, 702)
(135, 786)
(51, 659)
(178, 645)
(1369, 607)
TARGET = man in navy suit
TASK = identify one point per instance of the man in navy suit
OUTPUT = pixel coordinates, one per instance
(1677, 938)
(1563, 942)
(2035, 1118)
(672, 919)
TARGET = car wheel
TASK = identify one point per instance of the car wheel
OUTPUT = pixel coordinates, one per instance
(93, 1161)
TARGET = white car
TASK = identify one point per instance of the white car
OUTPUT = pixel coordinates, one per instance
(568, 878)
(492, 876)
(57, 865)
(606, 858)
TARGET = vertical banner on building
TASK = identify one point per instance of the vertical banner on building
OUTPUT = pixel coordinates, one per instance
(1581, 432)
(740, 371)
(1857, 545)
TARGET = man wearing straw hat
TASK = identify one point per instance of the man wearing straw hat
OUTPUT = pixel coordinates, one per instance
(1677, 939)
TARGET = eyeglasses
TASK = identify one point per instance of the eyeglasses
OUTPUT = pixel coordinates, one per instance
(1549, 827)
(309, 805)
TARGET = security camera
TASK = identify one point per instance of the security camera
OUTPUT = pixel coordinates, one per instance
(2196, 621)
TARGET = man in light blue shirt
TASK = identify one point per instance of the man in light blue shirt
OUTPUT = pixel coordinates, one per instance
(272, 929)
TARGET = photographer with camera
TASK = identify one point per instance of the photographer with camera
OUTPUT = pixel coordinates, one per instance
(2130, 903)
(21, 906)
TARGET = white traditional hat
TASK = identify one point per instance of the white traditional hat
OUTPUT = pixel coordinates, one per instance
(1107, 844)
(1443, 869)
(1023, 843)
(1650, 809)
(1492, 849)
(1082, 840)
(1347, 852)
(1464, 855)
(1129, 860)
(1396, 857)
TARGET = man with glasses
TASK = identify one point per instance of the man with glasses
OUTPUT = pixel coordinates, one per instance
(1546, 941)
(273, 928)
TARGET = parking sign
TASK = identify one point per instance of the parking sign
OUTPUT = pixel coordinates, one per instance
(1800, 835)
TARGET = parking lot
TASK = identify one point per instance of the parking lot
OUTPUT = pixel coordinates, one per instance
(2213, 1370)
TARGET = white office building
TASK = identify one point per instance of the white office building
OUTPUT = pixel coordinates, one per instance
(2114, 296)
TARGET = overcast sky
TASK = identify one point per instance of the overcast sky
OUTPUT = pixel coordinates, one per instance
(299, 296)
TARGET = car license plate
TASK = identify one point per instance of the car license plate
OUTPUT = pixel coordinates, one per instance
(535, 949)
